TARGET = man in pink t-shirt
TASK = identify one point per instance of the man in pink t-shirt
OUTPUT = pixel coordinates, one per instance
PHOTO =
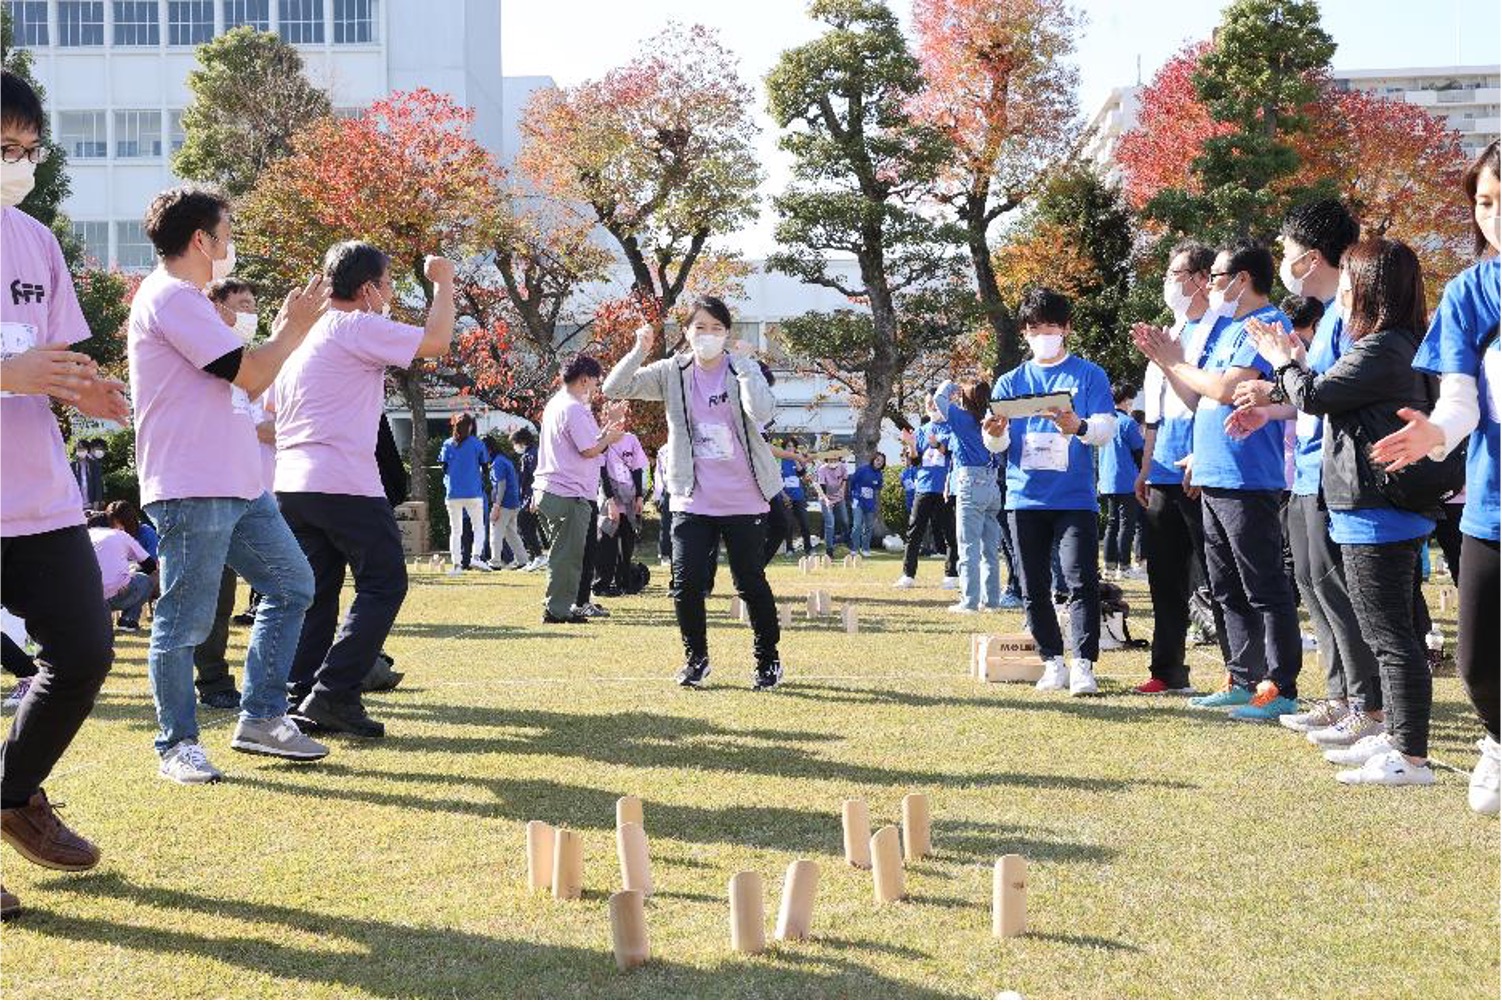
(327, 405)
(201, 482)
(48, 576)
(126, 589)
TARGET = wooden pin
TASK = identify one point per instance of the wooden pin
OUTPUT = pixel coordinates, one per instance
(823, 602)
(849, 619)
(887, 877)
(856, 820)
(735, 606)
(745, 613)
(795, 918)
(849, 561)
(568, 865)
(628, 810)
(802, 565)
(785, 616)
(539, 855)
(916, 841)
(813, 604)
(1009, 897)
(628, 929)
(636, 864)
(748, 918)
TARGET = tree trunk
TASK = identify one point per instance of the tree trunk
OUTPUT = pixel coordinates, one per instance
(412, 393)
(881, 375)
(1003, 323)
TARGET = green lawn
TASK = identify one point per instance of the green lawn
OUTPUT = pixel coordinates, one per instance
(1172, 853)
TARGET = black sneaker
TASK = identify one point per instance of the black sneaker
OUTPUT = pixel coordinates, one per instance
(767, 676)
(226, 700)
(344, 714)
(246, 618)
(694, 673)
(572, 617)
(128, 625)
(607, 591)
(591, 610)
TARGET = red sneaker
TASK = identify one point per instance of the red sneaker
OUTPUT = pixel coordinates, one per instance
(1158, 687)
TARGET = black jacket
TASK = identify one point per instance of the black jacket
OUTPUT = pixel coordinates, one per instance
(1359, 398)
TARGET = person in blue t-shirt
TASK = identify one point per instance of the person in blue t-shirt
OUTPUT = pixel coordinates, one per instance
(865, 491)
(909, 485)
(930, 445)
(794, 470)
(1241, 483)
(1462, 348)
(464, 463)
(1116, 481)
(505, 506)
(1315, 235)
(976, 493)
(1051, 498)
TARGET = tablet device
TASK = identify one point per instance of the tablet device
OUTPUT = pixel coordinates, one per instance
(1031, 405)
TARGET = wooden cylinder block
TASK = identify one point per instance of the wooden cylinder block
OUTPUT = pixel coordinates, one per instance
(887, 878)
(857, 823)
(628, 810)
(628, 929)
(795, 919)
(916, 838)
(636, 864)
(539, 855)
(748, 913)
(1009, 897)
(849, 618)
(568, 865)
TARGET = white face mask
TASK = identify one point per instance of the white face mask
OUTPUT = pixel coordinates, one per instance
(1045, 347)
(707, 347)
(245, 325)
(1343, 300)
(1220, 306)
(1491, 228)
(97, 453)
(1292, 282)
(222, 268)
(1176, 299)
(16, 181)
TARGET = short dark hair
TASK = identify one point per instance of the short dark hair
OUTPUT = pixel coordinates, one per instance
(352, 263)
(1201, 256)
(1122, 390)
(1324, 225)
(98, 520)
(222, 288)
(1387, 288)
(177, 213)
(1044, 306)
(124, 514)
(19, 104)
(1254, 259)
(1304, 311)
(524, 437)
(713, 305)
(581, 367)
(1489, 162)
(462, 425)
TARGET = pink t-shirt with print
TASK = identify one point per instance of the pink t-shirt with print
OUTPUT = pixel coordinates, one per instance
(37, 307)
(832, 477)
(723, 481)
(328, 399)
(191, 442)
(568, 428)
(115, 551)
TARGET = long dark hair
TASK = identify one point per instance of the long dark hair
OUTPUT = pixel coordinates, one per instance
(975, 394)
(463, 426)
(1489, 162)
(1387, 287)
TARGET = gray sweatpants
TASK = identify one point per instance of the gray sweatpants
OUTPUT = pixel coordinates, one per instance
(567, 523)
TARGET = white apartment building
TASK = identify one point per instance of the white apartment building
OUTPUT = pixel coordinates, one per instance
(115, 72)
(1468, 98)
(1116, 115)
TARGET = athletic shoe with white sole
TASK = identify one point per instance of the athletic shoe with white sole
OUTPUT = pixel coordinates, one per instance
(961, 609)
(1324, 713)
(1485, 778)
(186, 762)
(904, 582)
(1358, 754)
(950, 584)
(1346, 731)
(694, 674)
(279, 737)
(1388, 769)
(1055, 676)
(1082, 678)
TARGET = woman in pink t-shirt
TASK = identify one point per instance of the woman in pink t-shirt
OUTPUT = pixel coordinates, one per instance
(720, 472)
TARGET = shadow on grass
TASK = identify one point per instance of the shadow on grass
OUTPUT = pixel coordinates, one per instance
(415, 961)
(471, 632)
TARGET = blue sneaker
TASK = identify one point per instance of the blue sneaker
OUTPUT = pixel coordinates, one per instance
(1010, 601)
(1267, 704)
(1231, 695)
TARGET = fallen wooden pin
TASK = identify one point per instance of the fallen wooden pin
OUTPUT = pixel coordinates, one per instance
(748, 920)
(628, 929)
(795, 918)
(1010, 657)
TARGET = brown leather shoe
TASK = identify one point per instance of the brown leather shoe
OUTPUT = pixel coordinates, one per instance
(10, 905)
(36, 832)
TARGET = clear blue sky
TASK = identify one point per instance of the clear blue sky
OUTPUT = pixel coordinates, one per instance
(574, 40)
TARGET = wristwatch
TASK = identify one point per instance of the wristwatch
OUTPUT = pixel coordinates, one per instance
(1084, 427)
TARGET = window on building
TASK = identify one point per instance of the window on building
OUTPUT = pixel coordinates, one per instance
(138, 133)
(255, 13)
(136, 23)
(28, 21)
(354, 22)
(348, 113)
(175, 134)
(95, 237)
(80, 22)
(82, 134)
(190, 22)
(133, 252)
(301, 21)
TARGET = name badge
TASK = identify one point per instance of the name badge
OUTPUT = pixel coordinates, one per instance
(16, 339)
(712, 442)
(1045, 450)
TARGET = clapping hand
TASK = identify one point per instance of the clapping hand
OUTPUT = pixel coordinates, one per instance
(1242, 422)
(104, 399)
(1273, 343)
(301, 309)
(1252, 393)
(1156, 343)
(48, 370)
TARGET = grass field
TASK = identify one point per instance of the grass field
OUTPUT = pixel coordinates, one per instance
(1172, 853)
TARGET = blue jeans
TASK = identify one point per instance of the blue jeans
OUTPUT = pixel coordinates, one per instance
(977, 503)
(128, 600)
(199, 536)
(836, 524)
(864, 522)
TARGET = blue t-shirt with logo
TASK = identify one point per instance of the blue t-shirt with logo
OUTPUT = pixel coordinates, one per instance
(1045, 467)
(462, 463)
(792, 480)
(909, 478)
(1325, 348)
(1457, 342)
(1118, 470)
(932, 445)
(865, 486)
(507, 484)
(1254, 463)
(1174, 438)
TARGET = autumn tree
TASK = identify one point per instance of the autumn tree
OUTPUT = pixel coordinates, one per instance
(660, 150)
(251, 99)
(408, 177)
(862, 169)
(999, 84)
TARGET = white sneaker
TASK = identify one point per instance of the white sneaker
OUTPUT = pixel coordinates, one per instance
(1346, 731)
(1368, 747)
(1308, 641)
(1082, 678)
(904, 582)
(454, 571)
(1324, 713)
(538, 563)
(1055, 676)
(1388, 769)
(962, 609)
(1132, 574)
(186, 762)
(949, 584)
(1483, 795)
(481, 565)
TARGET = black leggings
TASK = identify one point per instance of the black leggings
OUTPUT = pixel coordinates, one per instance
(930, 508)
(1478, 652)
(51, 580)
(797, 518)
(694, 540)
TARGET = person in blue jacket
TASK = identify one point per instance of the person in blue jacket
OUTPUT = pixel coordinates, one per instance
(865, 491)
(506, 504)
(1116, 482)
(464, 461)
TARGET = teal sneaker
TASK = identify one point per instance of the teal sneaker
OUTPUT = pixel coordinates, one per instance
(1269, 710)
(1230, 695)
